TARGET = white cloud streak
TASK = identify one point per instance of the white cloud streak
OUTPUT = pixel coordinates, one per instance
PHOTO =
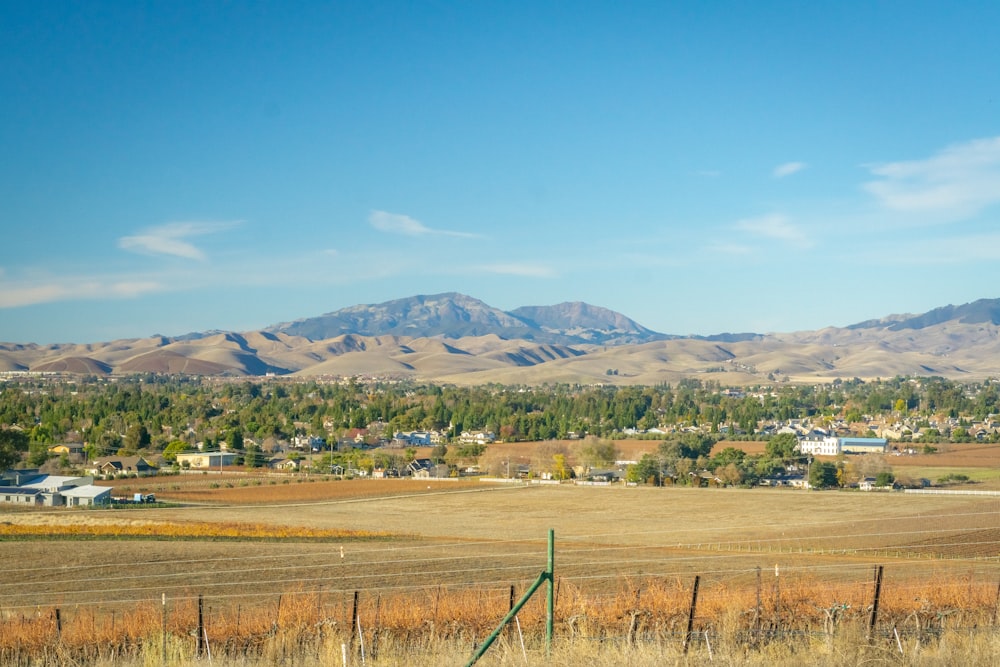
(958, 182)
(13, 295)
(957, 250)
(776, 227)
(171, 239)
(396, 223)
(522, 270)
(788, 168)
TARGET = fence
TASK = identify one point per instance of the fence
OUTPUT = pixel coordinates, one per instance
(727, 606)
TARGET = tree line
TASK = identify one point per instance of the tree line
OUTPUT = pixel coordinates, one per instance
(166, 414)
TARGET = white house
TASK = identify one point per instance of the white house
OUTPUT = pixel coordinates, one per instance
(828, 446)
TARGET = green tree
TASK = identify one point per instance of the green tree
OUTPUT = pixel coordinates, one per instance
(136, 438)
(781, 446)
(174, 448)
(729, 455)
(38, 454)
(884, 479)
(646, 471)
(235, 439)
(12, 445)
(253, 457)
(823, 475)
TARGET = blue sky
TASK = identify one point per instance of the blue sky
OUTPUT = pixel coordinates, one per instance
(701, 167)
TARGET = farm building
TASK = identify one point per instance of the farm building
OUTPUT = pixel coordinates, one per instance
(863, 445)
(29, 487)
(833, 446)
(206, 459)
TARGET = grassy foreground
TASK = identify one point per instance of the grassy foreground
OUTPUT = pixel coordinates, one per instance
(951, 623)
(849, 646)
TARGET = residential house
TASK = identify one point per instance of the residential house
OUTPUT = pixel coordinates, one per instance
(419, 468)
(795, 481)
(114, 466)
(476, 437)
(425, 469)
(68, 448)
(411, 439)
(282, 463)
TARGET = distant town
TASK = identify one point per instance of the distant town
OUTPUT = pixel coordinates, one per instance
(61, 434)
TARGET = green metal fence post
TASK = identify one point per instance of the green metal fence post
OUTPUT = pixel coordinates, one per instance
(547, 576)
(551, 598)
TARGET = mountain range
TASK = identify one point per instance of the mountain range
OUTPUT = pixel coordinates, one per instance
(454, 338)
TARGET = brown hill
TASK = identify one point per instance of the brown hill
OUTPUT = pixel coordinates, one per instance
(79, 365)
(167, 362)
(965, 347)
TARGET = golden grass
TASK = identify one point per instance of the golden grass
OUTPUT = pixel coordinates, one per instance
(176, 530)
(625, 564)
(642, 623)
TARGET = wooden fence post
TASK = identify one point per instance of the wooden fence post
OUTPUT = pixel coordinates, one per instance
(354, 623)
(694, 605)
(996, 604)
(375, 630)
(199, 644)
(878, 591)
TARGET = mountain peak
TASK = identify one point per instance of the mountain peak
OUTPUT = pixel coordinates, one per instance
(981, 311)
(455, 315)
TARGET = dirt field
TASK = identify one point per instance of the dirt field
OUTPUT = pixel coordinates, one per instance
(467, 533)
(493, 536)
(261, 488)
(431, 544)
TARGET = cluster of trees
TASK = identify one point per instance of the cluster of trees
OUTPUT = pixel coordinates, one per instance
(687, 460)
(153, 414)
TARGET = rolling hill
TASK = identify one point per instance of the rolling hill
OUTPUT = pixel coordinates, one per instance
(453, 338)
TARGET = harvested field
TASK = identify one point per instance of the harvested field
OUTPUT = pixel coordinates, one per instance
(447, 557)
(975, 455)
(491, 535)
(263, 488)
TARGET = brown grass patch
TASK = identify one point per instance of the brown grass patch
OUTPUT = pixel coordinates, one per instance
(235, 488)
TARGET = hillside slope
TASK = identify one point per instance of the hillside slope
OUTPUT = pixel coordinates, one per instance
(455, 339)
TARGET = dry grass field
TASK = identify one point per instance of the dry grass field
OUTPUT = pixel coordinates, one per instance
(435, 562)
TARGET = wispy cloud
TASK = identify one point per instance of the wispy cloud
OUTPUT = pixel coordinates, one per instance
(959, 181)
(788, 168)
(523, 270)
(777, 227)
(396, 223)
(955, 250)
(14, 294)
(171, 239)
